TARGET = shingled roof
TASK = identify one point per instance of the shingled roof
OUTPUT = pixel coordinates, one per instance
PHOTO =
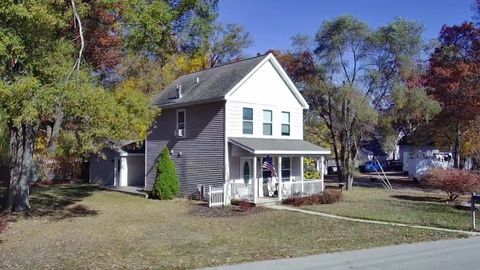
(212, 84)
(259, 146)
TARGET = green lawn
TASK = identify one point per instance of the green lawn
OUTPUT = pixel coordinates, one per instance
(80, 227)
(403, 206)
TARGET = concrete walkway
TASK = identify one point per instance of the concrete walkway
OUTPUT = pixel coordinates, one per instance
(309, 212)
(460, 254)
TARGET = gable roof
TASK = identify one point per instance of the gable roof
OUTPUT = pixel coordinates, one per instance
(218, 83)
(214, 83)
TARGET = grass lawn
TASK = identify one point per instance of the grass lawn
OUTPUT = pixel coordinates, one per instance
(403, 206)
(81, 227)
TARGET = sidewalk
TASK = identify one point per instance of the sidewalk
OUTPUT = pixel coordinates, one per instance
(309, 212)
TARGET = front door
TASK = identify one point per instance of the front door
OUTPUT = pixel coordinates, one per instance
(246, 170)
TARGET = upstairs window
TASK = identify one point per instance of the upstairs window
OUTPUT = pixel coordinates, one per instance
(247, 121)
(285, 124)
(181, 123)
(267, 122)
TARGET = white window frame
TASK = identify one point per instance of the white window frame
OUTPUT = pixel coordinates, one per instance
(290, 168)
(250, 121)
(271, 122)
(184, 121)
(289, 123)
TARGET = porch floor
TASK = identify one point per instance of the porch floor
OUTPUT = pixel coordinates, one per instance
(132, 190)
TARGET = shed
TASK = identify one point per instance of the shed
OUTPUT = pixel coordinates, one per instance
(123, 166)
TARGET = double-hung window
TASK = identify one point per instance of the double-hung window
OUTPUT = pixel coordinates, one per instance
(267, 122)
(285, 124)
(247, 121)
(181, 123)
(286, 168)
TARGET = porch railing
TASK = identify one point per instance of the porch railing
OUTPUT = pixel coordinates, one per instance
(301, 188)
(215, 196)
(242, 191)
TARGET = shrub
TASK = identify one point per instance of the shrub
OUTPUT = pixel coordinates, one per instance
(166, 185)
(243, 205)
(310, 169)
(454, 182)
(327, 197)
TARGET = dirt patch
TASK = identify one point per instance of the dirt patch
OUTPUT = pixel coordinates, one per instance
(202, 210)
(5, 219)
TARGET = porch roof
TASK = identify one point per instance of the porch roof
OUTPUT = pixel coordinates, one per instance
(261, 146)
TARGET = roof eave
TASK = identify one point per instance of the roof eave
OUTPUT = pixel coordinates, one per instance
(280, 152)
(191, 103)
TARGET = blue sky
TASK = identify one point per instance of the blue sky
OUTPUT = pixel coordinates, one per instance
(273, 22)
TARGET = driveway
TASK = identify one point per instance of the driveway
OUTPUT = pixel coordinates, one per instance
(461, 254)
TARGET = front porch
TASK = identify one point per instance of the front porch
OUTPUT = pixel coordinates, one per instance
(269, 170)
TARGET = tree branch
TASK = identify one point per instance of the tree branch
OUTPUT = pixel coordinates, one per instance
(76, 66)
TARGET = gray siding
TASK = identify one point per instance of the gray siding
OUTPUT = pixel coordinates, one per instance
(102, 168)
(202, 160)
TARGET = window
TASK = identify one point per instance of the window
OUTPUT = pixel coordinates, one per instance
(247, 121)
(285, 124)
(286, 168)
(181, 123)
(267, 122)
(246, 172)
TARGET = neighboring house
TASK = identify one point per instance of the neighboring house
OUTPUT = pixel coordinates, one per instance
(419, 149)
(223, 123)
(369, 150)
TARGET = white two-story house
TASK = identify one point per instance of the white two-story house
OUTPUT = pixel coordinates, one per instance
(221, 125)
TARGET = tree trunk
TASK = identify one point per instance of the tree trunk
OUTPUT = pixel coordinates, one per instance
(456, 154)
(22, 143)
(48, 161)
(335, 151)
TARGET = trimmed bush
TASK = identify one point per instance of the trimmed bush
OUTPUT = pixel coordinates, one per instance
(454, 182)
(166, 185)
(327, 197)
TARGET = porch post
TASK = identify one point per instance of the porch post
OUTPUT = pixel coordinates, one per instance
(255, 180)
(279, 173)
(322, 170)
(301, 174)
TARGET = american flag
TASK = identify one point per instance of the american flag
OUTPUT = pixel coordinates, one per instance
(268, 164)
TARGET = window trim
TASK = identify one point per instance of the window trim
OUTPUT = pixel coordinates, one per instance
(270, 123)
(248, 121)
(184, 121)
(287, 124)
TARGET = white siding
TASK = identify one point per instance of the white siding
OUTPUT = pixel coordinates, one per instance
(264, 90)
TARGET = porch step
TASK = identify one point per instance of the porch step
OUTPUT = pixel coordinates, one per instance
(266, 202)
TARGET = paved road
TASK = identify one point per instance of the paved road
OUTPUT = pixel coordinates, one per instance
(461, 254)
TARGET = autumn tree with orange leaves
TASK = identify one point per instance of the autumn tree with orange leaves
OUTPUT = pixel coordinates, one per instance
(453, 79)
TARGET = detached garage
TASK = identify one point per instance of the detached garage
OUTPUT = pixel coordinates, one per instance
(119, 167)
